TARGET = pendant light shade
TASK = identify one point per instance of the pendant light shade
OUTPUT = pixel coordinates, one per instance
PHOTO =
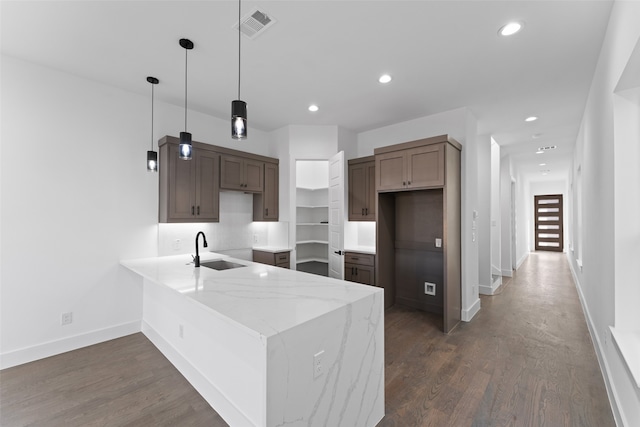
(152, 156)
(238, 119)
(238, 107)
(186, 149)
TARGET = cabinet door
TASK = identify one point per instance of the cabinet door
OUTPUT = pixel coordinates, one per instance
(370, 208)
(181, 180)
(231, 172)
(359, 274)
(425, 166)
(390, 171)
(207, 188)
(253, 175)
(357, 191)
(270, 195)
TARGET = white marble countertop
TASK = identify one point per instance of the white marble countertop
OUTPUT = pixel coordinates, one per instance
(273, 249)
(371, 250)
(263, 299)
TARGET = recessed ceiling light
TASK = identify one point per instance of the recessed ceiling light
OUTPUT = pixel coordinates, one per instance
(510, 29)
(531, 119)
(385, 78)
(539, 152)
(542, 164)
(313, 108)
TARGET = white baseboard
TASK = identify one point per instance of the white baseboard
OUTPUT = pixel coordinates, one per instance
(52, 348)
(490, 290)
(468, 314)
(197, 379)
(495, 270)
(521, 260)
(602, 361)
(507, 273)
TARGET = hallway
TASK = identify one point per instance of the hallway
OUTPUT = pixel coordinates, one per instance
(525, 360)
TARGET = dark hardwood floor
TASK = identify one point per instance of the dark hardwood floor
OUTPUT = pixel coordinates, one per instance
(526, 359)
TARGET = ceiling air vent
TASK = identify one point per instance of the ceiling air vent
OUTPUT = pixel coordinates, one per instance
(254, 23)
(552, 147)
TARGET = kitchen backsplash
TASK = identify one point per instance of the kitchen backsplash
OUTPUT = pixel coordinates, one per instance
(235, 234)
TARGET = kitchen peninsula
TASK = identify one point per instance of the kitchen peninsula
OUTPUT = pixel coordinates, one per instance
(268, 346)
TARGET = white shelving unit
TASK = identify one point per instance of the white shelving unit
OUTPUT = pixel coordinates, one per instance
(312, 229)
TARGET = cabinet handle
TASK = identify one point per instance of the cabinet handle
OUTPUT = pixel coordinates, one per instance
(193, 210)
(404, 183)
(408, 182)
(352, 271)
(366, 211)
(198, 210)
(356, 271)
(355, 258)
(282, 257)
(267, 211)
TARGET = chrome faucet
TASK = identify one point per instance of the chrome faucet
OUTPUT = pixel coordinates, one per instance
(196, 260)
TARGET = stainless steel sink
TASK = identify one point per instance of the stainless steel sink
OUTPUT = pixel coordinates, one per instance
(221, 264)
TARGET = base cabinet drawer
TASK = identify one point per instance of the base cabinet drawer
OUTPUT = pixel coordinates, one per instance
(279, 259)
(359, 268)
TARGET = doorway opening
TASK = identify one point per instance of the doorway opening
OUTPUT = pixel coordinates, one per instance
(548, 223)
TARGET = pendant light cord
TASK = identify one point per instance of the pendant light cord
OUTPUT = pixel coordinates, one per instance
(239, 47)
(186, 52)
(152, 85)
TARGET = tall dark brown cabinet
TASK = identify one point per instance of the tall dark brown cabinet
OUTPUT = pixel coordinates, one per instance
(418, 230)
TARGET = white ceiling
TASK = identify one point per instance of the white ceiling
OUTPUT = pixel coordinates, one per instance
(442, 55)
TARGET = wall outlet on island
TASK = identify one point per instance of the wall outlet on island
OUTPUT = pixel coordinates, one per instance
(318, 367)
(177, 245)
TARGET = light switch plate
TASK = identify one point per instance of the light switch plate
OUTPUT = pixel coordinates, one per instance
(438, 243)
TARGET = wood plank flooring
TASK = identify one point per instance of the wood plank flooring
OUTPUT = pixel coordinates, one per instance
(526, 359)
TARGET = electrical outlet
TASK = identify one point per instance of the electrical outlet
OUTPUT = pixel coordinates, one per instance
(429, 288)
(438, 243)
(318, 367)
(66, 318)
(255, 238)
(177, 245)
(181, 331)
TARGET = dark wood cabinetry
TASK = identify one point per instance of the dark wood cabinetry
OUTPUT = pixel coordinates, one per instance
(279, 259)
(418, 229)
(359, 268)
(411, 168)
(189, 190)
(240, 173)
(362, 189)
(265, 203)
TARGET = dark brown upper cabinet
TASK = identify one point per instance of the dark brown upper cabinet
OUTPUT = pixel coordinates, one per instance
(265, 204)
(410, 169)
(189, 189)
(362, 189)
(241, 173)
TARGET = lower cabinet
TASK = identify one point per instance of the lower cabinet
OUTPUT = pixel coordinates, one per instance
(279, 259)
(359, 267)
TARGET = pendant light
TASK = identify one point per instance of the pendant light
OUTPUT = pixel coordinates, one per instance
(185, 137)
(152, 156)
(239, 107)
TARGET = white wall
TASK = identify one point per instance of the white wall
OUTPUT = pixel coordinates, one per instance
(461, 125)
(496, 238)
(483, 222)
(506, 178)
(597, 154)
(76, 200)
